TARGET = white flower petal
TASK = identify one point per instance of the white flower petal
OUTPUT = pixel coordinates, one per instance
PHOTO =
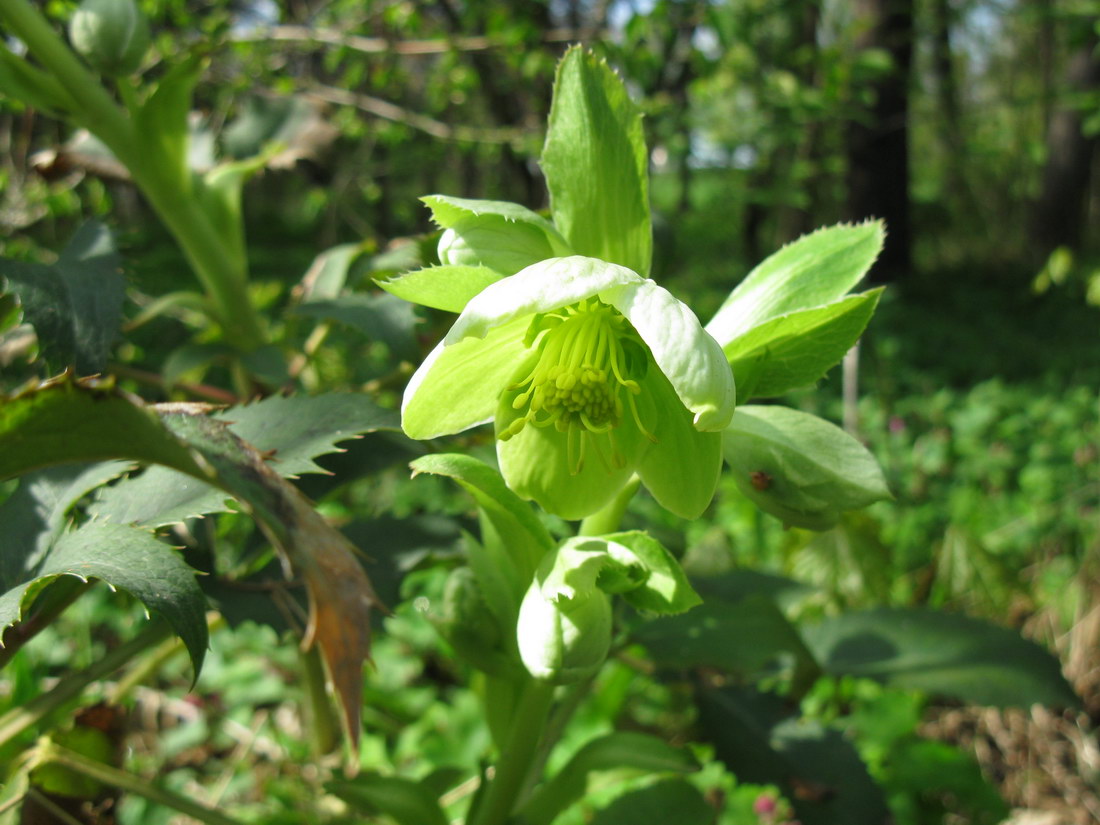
(541, 287)
(689, 357)
(458, 385)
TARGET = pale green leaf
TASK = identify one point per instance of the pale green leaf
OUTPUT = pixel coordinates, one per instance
(799, 467)
(160, 122)
(75, 304)
(665, 588)
(816, 269)
(448, 288)
(596, 164)
(449, 212)
(327, 275)
(794, 350)
(943, 654)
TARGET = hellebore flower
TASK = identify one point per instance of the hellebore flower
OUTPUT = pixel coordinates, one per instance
(591, 373)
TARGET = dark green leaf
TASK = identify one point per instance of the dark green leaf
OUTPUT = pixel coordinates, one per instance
(741, 637)
(596, 164)
(671, 800)
(383, 318)
(35, 88)
(816, 768)
(612, 751)
(131, 560)
(34, 515)
(942, 654)
(74, 305)
(408, 802)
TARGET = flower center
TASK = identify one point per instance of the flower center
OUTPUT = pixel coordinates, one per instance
(589, 358)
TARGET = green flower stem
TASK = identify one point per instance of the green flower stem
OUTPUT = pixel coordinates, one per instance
(91, 106)
(17, 720)
(518, 755)
(49, 752)
(610, 517)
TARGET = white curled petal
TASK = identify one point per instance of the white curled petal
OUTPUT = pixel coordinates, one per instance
(689, 357)
(457, 385)
(541, 287)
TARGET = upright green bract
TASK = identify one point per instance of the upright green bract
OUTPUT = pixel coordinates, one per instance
(591, 373)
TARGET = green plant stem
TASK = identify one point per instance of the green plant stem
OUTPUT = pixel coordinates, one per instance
(518, 755)
(610, 517)
(49, 752)
(17, 720)
(49, 606)
(225, 281)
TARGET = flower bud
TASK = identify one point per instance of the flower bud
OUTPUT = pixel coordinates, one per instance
(563, 639)
(469, 626)
(490, 240)
(111, 35)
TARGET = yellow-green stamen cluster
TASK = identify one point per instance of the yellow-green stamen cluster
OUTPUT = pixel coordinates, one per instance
(581, 377)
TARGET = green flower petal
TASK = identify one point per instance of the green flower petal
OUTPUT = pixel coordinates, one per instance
(681, 469)
(541, 287)
(535, 463)
(458, 384)
(688, 356)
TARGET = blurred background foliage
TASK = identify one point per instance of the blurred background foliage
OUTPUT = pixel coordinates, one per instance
(971, 126)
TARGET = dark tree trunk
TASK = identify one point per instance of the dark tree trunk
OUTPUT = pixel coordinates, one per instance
(1059, 214)
(878, 146)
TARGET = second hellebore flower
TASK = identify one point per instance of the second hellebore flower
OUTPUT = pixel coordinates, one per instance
(591, 373)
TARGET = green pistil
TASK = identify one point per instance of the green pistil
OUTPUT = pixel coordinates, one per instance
(579, 381)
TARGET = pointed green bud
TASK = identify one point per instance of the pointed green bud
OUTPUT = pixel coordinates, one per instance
(470, 627)
(111, 35)
(493, 241)
(562, 639)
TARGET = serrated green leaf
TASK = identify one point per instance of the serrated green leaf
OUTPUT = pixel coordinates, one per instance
(943, 654)
(67, 420)
(448, 288)
(622, 749)
(799, 467)
(74, 305)
(35, 514)
(596, 164)
(380, 317)
(814, 270)
(795, 350)
(293, 431)
(408, 802)
(128, 559)
(449, 211)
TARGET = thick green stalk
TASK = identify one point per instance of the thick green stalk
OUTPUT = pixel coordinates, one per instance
(17, 720)
(610, 517)
(48, 752)
(93, 107)
(518, 755)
